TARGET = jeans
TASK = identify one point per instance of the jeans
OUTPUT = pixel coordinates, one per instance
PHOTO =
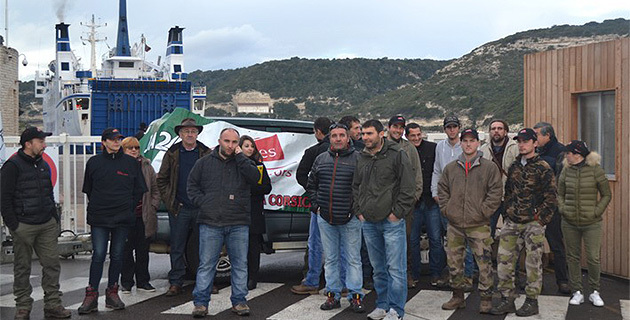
(211, 240)
(41, 238)
(180, 228)
(100, 236)
(138, 267)
(387, 247)
(332, 237)
(592, 237)
(316, 255)
(434, 221)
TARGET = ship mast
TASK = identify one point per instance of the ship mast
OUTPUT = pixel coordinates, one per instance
(93, 40)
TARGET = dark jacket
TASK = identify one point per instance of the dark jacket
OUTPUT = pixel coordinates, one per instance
(168, 176)
(309, 158)
(27, 191)
(221, 188)
(330, 185)
(426, 151)
(258, 192)
(383, 183)
(470, 192)
(150, 199)
(530, 191)
(114, 184)
(553, 153)
(578, 189)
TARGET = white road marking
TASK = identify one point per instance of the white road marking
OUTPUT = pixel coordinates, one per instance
(72, 284)
(549, 307)
(161, 285)
(625, 309)
(427, 304)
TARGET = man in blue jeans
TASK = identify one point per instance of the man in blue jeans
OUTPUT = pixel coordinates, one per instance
(383, 190)
(171, 181)
(220, 186)
(427, 212)
(329, 188)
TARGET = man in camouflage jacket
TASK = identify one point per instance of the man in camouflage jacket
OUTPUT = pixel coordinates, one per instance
(530, 202)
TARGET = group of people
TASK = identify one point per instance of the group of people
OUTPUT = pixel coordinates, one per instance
(370, 195)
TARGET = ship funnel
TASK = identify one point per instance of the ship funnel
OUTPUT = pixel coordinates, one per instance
(122, 42)
(62, 37)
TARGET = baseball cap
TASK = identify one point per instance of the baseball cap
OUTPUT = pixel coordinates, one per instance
(578, 147)
(111, 134)
(31, 133)
(471, 132)
(451, 120)
(526, 134)
(396, 119)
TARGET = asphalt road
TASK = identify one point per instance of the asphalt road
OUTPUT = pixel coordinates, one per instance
(273, 299)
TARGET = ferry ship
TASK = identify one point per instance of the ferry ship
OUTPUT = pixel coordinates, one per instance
(125, 92)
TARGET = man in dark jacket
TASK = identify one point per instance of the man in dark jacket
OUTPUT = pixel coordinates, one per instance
(219, 185)
(171, 180)
(354, 131)
(28, 210)
(383, 191)
(330, 191)
(552, 151)
(114, 184)
(313, 255)
(530, 203)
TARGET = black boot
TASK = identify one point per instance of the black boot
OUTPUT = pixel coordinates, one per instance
(112, 300)
(529, 308)
(504, 307)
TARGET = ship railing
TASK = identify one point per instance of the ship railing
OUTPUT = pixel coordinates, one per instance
(69, 155)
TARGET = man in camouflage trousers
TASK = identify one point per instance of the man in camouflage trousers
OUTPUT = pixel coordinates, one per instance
(530, 201)
(469, 192)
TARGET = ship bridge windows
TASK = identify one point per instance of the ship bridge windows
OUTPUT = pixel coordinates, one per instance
(82, 103)
(177, 68)
(177, 49)
(65, 66)
(67, 105)
(125, 64)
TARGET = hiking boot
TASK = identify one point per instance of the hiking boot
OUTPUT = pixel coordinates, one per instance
(331, 302)
(377, 314)
(504, 307)
(22, 314)
(145, 287)
(58, 312)
(356, 304)
(304, 289)
(200, 311)
(528, 309)
(456, 302)
(241, 309)
(485, 305)
(564, 288)
(173, 290)
(112, 300)
(90, 303)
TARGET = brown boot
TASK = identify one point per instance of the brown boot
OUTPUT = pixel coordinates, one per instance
(486, 304)
(303, 289)
(90, 303)
(456, 302)
(174, 290)
(112, 300)
(58, 312)
(22, 314)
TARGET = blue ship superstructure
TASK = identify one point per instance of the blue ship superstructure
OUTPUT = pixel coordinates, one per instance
(126, 91)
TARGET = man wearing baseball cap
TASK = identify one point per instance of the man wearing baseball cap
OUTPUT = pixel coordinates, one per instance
(28, 210)
(530, 202)
(114, 185)
(396, 128)
(469, 191)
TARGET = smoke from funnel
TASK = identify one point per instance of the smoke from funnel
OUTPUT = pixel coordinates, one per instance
(60, 6)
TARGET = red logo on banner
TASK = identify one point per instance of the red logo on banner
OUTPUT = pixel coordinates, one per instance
(270, 148)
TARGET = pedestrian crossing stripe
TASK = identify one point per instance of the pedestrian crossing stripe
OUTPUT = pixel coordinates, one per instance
(135, 297)
(549, 308)
(72, 284)
(308, 309)
(625, 309)
(221, 301)
(427, 304)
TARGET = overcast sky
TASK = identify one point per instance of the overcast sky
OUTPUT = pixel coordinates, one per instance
(228, 34)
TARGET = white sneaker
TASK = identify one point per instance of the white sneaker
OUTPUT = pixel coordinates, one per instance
(377, 314)
(577, 299)
(392, 315)
(596, 299)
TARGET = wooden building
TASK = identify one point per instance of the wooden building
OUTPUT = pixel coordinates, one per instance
(584, 92)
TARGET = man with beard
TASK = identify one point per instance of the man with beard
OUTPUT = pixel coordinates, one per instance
(354, 130)
(220, 186)
(502, 151)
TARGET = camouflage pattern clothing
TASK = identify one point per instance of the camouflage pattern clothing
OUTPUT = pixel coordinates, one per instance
(512, 239)
(479, 240)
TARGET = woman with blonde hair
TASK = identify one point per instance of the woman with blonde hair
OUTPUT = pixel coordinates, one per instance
(144, 228)
(581, 183)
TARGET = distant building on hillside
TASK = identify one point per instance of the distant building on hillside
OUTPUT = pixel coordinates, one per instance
(252, 102)
(9, 90)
